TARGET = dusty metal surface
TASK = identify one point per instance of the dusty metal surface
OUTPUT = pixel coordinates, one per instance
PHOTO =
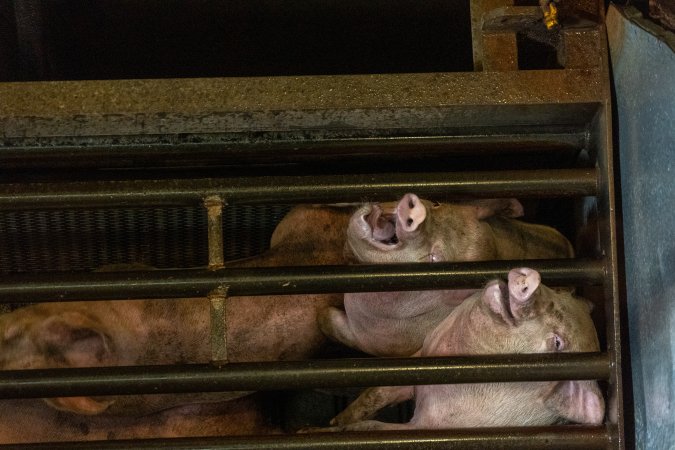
(643, 67)
(121, 107)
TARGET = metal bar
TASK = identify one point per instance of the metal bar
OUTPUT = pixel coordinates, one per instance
(288, 280)
(135, 150)
(290, 189)
(568, 437)
(218, 296)
(255, 376)
(214, 211)
(218, 330)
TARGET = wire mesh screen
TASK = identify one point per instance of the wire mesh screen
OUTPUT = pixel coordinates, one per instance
(167, 237)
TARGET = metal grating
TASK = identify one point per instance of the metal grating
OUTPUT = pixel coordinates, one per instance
(85, 239)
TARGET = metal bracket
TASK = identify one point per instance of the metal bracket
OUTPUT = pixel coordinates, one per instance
(574, 47)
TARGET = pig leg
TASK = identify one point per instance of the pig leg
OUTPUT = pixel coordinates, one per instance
(368, 425)
(370, 402)
(334, 323)
(364, 425)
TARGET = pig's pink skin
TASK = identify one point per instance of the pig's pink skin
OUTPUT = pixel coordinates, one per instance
(396, 323)
(32, 421)
(137, 332)
(501, 319)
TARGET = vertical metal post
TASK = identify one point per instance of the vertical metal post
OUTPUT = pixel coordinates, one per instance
(478, 9)
(217, 297)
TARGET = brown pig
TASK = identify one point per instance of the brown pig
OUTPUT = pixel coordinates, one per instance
(396, 323)
(147, 332)
(521, 316)
(31, 421)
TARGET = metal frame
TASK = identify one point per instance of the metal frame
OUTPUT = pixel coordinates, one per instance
(133, 120)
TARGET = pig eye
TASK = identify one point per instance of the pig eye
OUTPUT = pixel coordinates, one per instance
(556, 343)
(435, 205)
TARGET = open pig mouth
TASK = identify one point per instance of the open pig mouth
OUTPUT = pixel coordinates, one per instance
(382, 225)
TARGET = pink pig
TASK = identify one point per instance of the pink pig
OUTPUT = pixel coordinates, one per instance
(522, 316)
(396, 323)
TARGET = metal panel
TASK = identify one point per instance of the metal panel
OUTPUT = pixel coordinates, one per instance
(643, 67)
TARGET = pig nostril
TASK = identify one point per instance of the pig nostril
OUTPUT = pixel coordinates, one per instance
(409, 222)
(411, 204)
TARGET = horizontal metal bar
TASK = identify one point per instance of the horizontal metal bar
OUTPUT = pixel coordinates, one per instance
(291, 189)
(287, 280)
(568, 437)
(174, 150)
(309, 374)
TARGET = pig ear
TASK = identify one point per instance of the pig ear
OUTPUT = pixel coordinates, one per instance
(504, 207)
(79, 405)
(79, 341)
(495, 296)
(577, 401)
(523, 284)
(75, 339)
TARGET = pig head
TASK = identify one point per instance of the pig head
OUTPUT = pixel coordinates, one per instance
(518, 316)
(416, 230)
(155, 332)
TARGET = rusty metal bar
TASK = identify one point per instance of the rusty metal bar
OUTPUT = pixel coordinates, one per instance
(214, 211)
(255, 376)
(568, 437)
(288, 280)
(218, 333)
(218, 296)
(290, 189)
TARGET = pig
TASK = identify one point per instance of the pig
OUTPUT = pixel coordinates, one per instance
(521, 316)
(148, 332)
(396, 323)
(39, 423)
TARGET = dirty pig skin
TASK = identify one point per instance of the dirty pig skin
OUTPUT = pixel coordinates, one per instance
(412, 230)
(32, 421)
(518, 316)
(147, 332)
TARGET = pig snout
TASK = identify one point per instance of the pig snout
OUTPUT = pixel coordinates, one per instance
(410, 213)
(522, 284)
